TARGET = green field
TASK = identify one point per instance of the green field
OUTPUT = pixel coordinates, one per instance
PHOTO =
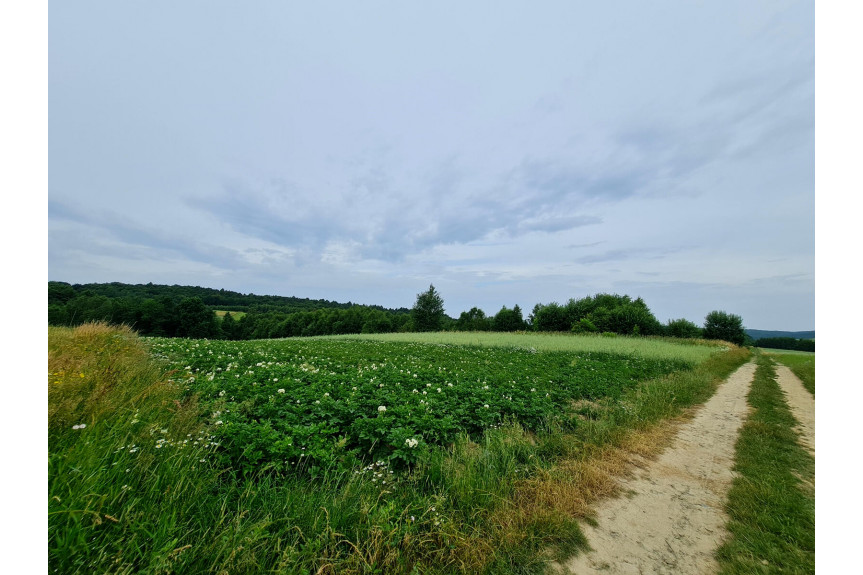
(395, 454)
(234, 314)
(692, 351)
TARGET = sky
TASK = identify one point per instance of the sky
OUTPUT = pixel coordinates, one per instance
(506, 152)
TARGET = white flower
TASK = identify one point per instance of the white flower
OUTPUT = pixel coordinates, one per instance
(79, 426)
(326, 394)
(222, 393)
(219, 422)
(410, 442)
(382, 408)
(438, 390)
(281, 390)
(485, 406)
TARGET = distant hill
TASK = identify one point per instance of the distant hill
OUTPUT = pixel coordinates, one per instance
(60, 292)
(757, 334)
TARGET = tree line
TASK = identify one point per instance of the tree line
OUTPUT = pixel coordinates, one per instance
(184, 311)
(786, 343)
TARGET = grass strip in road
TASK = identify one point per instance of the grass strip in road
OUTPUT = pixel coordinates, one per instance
(772, 502)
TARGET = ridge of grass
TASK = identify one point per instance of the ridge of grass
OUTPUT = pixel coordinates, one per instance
(771, 503)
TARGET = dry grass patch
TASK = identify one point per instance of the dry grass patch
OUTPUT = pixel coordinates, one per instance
(574, 484)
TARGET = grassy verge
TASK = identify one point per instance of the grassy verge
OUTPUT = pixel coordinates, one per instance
(134, 487)
(772, 502)
(801, 363)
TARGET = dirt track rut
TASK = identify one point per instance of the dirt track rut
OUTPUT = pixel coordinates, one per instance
(674, 518)
(802, 405)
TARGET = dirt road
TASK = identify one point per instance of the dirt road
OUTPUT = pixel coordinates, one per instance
(673, 520)
(802, 405)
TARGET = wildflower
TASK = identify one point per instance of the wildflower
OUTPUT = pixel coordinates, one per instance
(410, 442)
(485, 406)
(326, 394)
(281, 390)
(222, 393)
(438, 390)
(382, 408)
(219, 422)
(79, 426)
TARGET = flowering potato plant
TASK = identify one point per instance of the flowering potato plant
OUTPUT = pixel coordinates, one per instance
(308, 405)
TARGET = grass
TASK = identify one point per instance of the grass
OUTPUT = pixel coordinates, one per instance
(693, 351)
(220, 313)
(802, 363)
(772, 502)
(138, 489)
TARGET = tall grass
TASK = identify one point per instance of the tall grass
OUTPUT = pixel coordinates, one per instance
(136, 491)
(689, 350)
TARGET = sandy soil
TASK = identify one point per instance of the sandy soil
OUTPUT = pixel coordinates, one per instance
(802, 405)
(673, 520)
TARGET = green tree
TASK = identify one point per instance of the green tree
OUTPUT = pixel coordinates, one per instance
(508, 319)
(473, 320)
(427, 312)
(682, 328)
(724, 326)
(195, 319)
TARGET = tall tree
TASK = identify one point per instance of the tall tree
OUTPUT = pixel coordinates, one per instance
(724, 326)
(428, 311)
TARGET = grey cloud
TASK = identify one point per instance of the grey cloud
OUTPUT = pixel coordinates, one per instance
(625, 254)
(556, 223)
(137, 241)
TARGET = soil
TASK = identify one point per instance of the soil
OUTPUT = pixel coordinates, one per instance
(673, 519)
(802, 405)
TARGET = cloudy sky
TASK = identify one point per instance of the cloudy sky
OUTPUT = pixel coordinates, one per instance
(507, 152)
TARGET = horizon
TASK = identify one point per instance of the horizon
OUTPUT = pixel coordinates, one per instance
(453, 315)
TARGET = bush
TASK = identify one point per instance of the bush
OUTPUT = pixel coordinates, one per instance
(724, 326)
(682, 328)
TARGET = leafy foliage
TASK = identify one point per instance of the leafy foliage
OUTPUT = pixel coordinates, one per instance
(682, 328)
(786, 343)
(508, 319)
(724, 326)
(428, 312)
(602, 312)
(473, 320)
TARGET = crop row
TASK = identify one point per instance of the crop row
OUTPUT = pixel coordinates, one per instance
(312, 404)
